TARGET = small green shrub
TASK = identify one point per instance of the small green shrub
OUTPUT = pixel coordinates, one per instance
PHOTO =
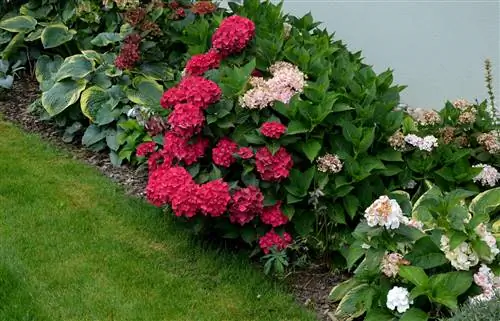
(479, 311)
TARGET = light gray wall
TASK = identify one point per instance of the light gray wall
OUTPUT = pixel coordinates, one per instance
(436, 47)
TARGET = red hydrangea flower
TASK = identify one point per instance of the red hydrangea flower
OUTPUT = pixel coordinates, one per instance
(273, 239)
(186, 119)
(222, 153)
(129, 53)
(233, 35)
(245, 152)
(192, 89)
(180, 13)
(272, 129)
(273, 167)
(159, 158)
(214, 197)
(185, 200)
(247, 203)
(203, 7)
(145, 149)
(164, 182)
(199, 64)
(273, 215)
(182, 149)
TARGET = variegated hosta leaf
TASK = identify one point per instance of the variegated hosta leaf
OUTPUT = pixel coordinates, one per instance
(94, 99)
(77, 66)
(46, 70)
(147, 92)
(55, 35)
(19, 24)
(62, 95)
(11, 48)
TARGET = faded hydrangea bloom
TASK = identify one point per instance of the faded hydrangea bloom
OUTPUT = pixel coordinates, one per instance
(398, 298)
(487, 281)
(467, 118)
(447, 134)
(390, 264)
(425, 117)
(462, 257)
(489, 176)
(461, 104)
(397, 141)
(490, 142)
(489, 239)
(329, 164)
(384, 212)
(287, 29)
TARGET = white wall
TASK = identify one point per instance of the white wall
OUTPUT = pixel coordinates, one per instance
(435, 47)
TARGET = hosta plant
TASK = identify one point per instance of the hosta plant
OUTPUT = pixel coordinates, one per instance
(420, 261)
(275, 130)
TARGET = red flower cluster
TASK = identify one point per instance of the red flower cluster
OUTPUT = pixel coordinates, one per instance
(182, 149)
(129, 53)
(273, 215)
(233, 35)
(246, 204)
(164, 182)
(186, 119)
(222, 153)
(214, 197)
(199, 64)
(179, 13)
(185, 200)
(203, 7)
(273, 167)
(192, 89)
(245, 152)
(145, 149)
(272, 129)
(273, 239)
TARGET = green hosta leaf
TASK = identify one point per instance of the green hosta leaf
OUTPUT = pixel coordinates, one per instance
(45, 71)
(19, 24)
(354, 253)
(355, 302)
(341, 289)
(62, 95)
(35, 35)
(147, 92)
(95, 98)
(55, 35)
(12, 48)
(92, 135)
(414, 314)
(311, 148)
(486, 202)
(77, 67)
(6, 82)
(105, 38)
(415, 275)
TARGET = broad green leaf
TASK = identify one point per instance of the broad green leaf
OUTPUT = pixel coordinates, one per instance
(451, 283)
(35, 35)
(367, 140)
(62, 95)
(482, 249)
(341, 289)
(414, 314)
(486, 202)
(426, 254)
(297, 127)
(45, 71)
(351, 133)
(311, 148)
(55, 35)
(76, 67)
(351, 205)
(415, 275)
(94, 98)
(390, 155)
(300, 182)
(19, 24)
(456, 239)
(12, 48)
(354, 253)
(352, 304)
(105, 38)
(147, 92)
(92, 135)
(403, 200)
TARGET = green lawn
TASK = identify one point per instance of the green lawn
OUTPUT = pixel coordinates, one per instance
(73, 247)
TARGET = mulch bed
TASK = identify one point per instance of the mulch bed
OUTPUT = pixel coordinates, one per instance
(311, 286)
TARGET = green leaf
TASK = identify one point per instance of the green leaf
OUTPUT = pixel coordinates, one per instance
(12, 48)
(55, 35)
(367, 140)
(456, 239)
(414, 314)
(353, 304)
(486, 202)
(311, 148)
(341, 289)
(415, 275)
(296, 127)
(426, 254)
(446, 287)
(300, 182)
(76, 67)
(379, 315)
(95, 98)
(19, 24)
(147, 92)
(351, 133)
(45, 71)
(106, 38)
(92, 135)
(62, 95)
(482, 249)
(390, 155)
(354, 253)
(351, 205)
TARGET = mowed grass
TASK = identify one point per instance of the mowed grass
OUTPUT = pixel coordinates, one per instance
(74, 247)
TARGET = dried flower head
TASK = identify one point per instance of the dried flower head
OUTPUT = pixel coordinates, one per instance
(467, 118)
(447, 134)
(397, 141)
(329, 164)
(461, 104)
(390, 264)
(490, 142)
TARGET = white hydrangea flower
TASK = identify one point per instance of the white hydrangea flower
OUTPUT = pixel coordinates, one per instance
(489, 239)
(399, 298)
(410, 185)
(487, 281)
(489, 176)
(384, 212)
(427, 143)
(462, 257)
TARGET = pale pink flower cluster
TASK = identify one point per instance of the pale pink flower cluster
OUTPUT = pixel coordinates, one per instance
(390, 264)
(287, 81)
(490, 142)
(489, 176)
(489, 239)
(384, 212)
(413, 223)
(487, 281)
(461, 104)
(427, 143)
(425, 117)
(329, 164)
(462, 257)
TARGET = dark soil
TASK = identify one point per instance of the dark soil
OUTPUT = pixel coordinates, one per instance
(310, 286)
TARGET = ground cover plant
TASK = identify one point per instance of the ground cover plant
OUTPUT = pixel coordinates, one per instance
(73, 247)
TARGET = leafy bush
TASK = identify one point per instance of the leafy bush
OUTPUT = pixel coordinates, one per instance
(478, 311)
(424, 261)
